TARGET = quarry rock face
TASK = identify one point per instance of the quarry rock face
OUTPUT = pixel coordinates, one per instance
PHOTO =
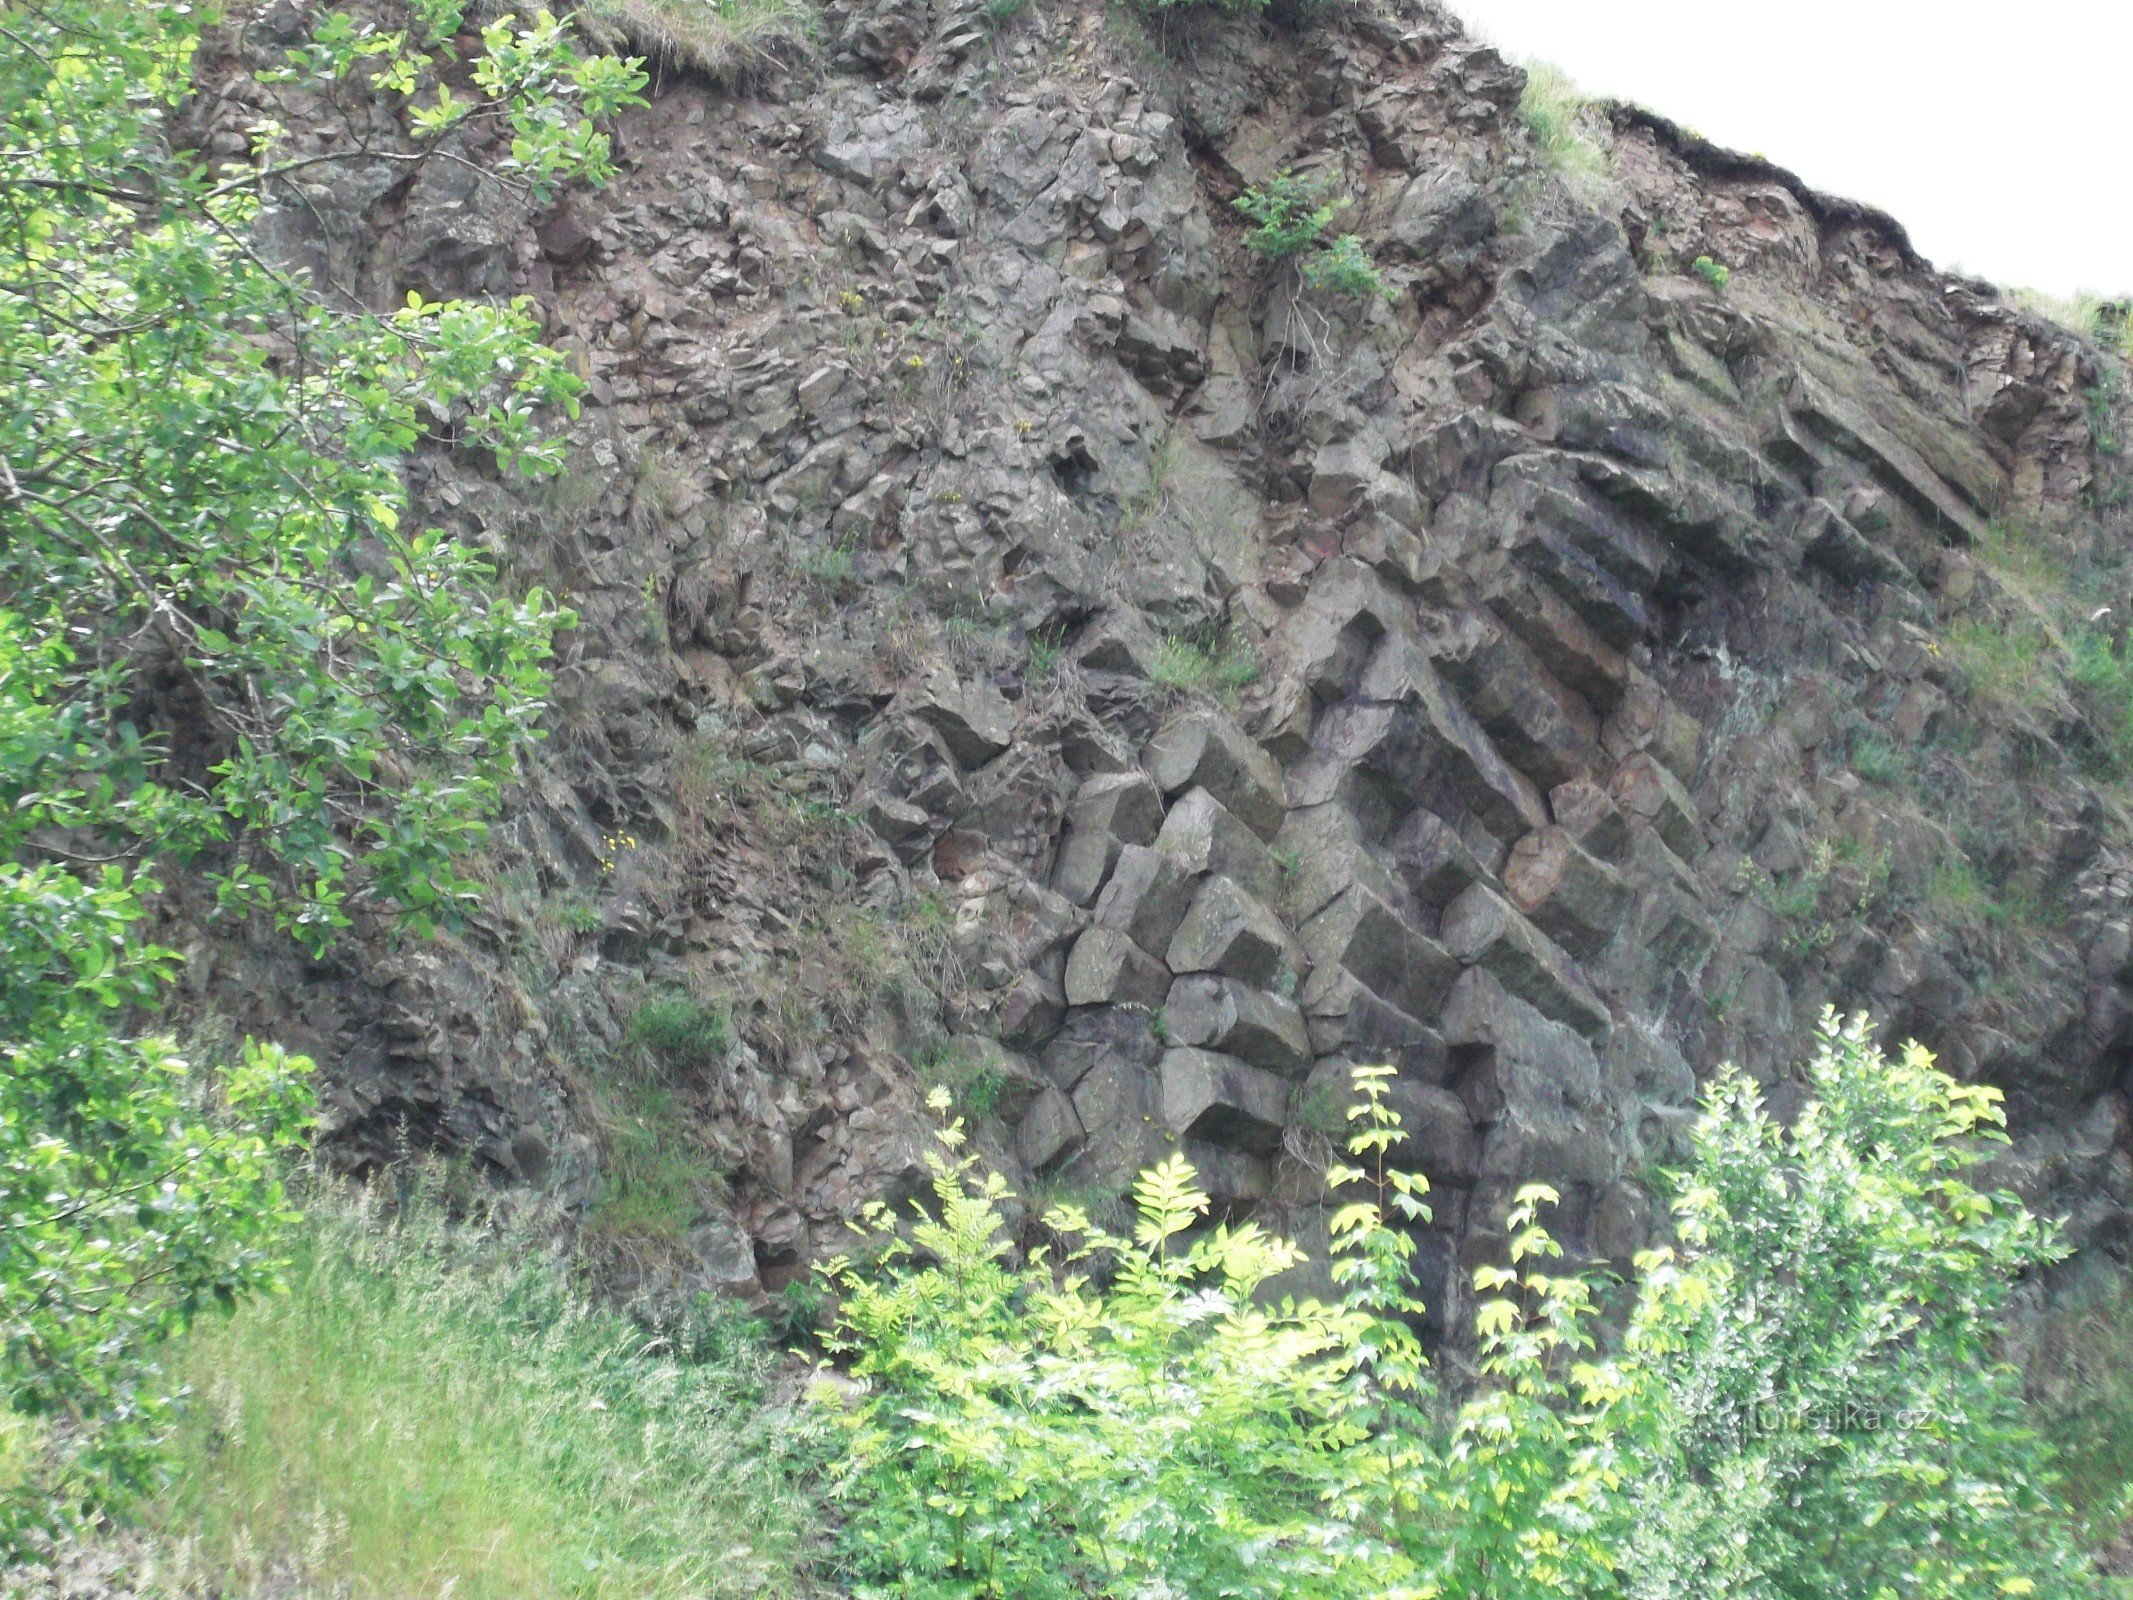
(1010, 606)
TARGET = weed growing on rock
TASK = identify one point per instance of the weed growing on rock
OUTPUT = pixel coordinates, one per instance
(1878, 761)
(1198, 666)
(1715, 273)
(723, 39)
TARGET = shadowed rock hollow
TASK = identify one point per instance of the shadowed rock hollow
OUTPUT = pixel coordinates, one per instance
(1031, 642)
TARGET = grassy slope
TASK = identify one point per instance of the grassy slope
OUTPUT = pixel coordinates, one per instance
(434, 1411)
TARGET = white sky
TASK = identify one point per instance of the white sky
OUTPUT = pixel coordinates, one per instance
(2000, 135)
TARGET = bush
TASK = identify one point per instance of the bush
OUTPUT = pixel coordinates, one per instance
(1715, 273)
(1806, 1400)
(434, 1409)
(1292, 215)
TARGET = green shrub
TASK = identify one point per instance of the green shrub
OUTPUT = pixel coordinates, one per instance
(434, 1409)
(1292, 215)
(1715, 273)
(683, 1031)
(1805, 1402)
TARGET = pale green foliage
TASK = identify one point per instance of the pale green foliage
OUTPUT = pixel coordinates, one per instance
(1716, 273)
(1805, 1402)
(433, 1408)
(1027, 1432)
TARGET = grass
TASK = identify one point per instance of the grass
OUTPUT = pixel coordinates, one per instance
(966, 1069)
(2009, 662)
(655, 1174)
(723, 39)
(1555, 112)
(682, 1030)
(2085, 313)
(435, 1410)
(1878, 761)
(1183, 662)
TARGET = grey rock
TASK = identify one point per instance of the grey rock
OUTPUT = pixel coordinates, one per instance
(1203, 748)
(1203, 835)
(1644, 789)
(973, 718)
(1108, 969)
(1108, 812)
(1147, 897)
(1321, 852)
(1348, 1019)
(1360, 934)
(1575, 899)
(1433, 861)
(1223, 1101)
(1590, 815)
(1119, 1103)
(1216, 1013)
(1228, 932)
(1091, 1035)
(1481, 928)
(1050, 1132)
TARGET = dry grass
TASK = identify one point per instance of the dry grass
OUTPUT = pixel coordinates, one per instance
(724, 39)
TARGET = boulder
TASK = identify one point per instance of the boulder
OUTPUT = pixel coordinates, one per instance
(1217, 1013)
(1482, 929)
(1091, 1035)
(1049, 1133)
(1108, 812)
(1576, 900)
(1147, 897)
(1321, 851)
(1450, 740)
(1106, 968)
(1223, 1101)
(1590, 815)
(973, 719)
(1203, 748)
(1228, 932)
(1433, 861)
(1644, 789)
(1348, 1019)
(1360, 934)
(1204, 835)
(1119, 1104)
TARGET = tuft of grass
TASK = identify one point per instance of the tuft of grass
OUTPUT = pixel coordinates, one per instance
(434, 1408)
(656, 1176)
(1183, 662)
(1558, 121)
(2010, 662)
(723, 39)
(1716, 273)
(1878, 761)
(2101, 319)
(681, 1030)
